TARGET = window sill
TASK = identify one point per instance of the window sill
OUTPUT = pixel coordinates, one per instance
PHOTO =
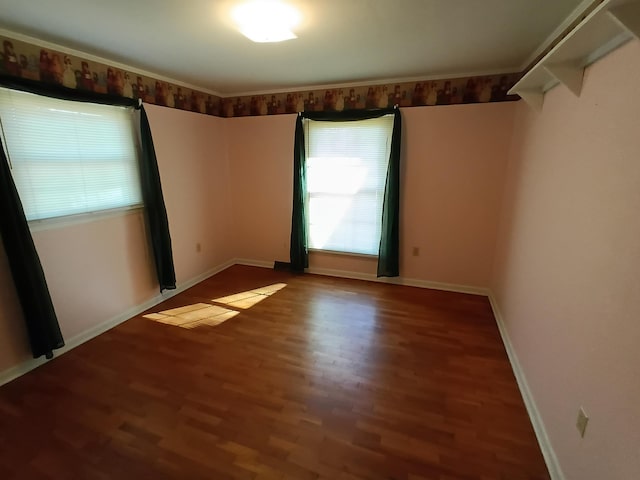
(347, 254)
(80, 218)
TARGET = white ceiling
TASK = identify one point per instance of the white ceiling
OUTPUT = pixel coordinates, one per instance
(340, 41)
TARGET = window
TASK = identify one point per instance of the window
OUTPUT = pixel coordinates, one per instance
(346, 172)
(69, 157)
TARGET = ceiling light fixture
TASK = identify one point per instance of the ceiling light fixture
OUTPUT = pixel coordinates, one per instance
(265, 21)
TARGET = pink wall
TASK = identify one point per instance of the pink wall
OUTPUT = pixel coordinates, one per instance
(565, 271)
(192, 157)
(261, 162)
(96, 270)
(454, 164)
(566, 250)
(100, 269)
(454, 161)
(566, 278)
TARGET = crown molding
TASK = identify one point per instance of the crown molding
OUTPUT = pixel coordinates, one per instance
(383, 81)
(322, 86)
(95, 58)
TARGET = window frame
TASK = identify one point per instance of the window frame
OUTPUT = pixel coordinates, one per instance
(91, 215)
(371, 191)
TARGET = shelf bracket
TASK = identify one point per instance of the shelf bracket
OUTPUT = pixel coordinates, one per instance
(534, 98)
(628, 16)
(570, 74)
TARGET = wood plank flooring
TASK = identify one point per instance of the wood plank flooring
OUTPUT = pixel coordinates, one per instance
(324, 378)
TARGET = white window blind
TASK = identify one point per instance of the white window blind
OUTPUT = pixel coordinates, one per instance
(69, 157)
(346, 173)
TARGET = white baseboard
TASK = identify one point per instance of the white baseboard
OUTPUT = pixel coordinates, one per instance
(197, 279)
(253, 263)
(549, 455)
(14, 372)
(534, 415)
(536, 420)
(409, 282)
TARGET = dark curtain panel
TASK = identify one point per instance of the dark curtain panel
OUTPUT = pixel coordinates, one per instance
(299, 253)
(155, 208)
(28, 276)
(389, 255)
(388, 258)
(33, 293)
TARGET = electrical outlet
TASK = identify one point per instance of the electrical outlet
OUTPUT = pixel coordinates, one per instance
(581, 423)
(416, 251)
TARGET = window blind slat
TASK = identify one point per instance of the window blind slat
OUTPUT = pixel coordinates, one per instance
(69, 157)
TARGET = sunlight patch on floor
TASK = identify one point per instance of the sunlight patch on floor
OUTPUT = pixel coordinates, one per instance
(251, 297)
(192, 316)
(198, 314)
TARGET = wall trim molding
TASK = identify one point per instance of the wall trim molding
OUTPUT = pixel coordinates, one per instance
(231, 95)
(96, 58)
(544, 442)
(408, 282)
(536, 420)
(550, 458)
(253, 263)
(18, 370)
(383, 81)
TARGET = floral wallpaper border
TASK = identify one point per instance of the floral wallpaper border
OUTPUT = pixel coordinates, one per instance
(21, 59)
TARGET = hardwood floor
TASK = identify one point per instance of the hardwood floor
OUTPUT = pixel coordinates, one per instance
(322, 379)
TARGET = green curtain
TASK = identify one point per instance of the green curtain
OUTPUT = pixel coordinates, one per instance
(389, 253)
(155, 209)
(24, 263)
(40, 317)
(299, 251)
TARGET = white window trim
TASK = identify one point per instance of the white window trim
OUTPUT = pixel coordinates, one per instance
(344, 254)
(64, 221)
(309, 195)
